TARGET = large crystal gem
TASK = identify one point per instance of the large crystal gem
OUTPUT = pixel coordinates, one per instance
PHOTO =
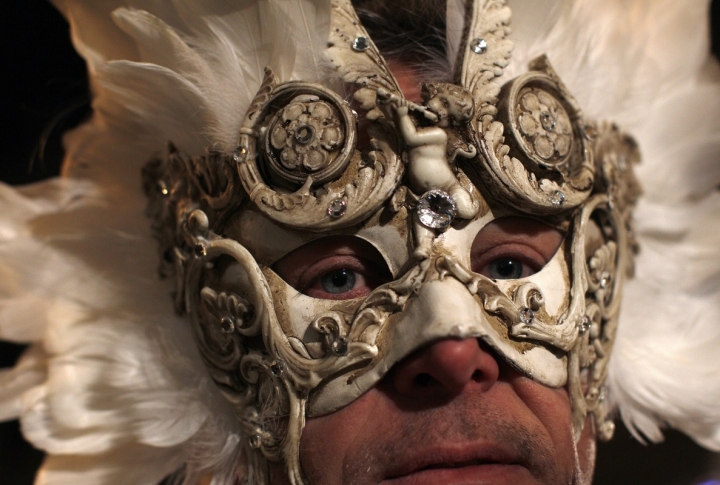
(436, 209)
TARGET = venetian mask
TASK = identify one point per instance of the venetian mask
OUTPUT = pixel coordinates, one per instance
(417, 191)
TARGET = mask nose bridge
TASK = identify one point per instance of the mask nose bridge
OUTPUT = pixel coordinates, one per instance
(443, 307)
(444, 304)
(442, 301)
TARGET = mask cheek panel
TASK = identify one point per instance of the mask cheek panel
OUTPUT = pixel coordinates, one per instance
(425, 320)
(297, 312)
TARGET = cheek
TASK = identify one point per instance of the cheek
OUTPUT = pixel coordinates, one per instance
(551, 408)
(327, 441)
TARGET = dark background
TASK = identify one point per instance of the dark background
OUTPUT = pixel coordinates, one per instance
(44, 93)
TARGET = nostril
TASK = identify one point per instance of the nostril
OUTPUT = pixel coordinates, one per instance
(423, 380)
(444, 368)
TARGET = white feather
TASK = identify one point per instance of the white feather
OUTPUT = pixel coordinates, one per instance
(121, 395)
(454, 28)
(126, 465)
(30, 371)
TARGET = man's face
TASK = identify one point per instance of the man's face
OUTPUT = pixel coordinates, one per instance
(452, 413)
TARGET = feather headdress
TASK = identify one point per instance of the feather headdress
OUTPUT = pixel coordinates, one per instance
(112, 386)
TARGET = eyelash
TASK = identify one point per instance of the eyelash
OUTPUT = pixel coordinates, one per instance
(524, 254)
(311, 283)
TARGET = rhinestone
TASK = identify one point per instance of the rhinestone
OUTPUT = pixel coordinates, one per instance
(603, 394)
(255, 441)
(584, 325)
(361, 44)
(200, 250)
(604, 279)
(479, 46)
(239, 151)
(277, 368)
(227, 324)
(337, 208)
(162, 187)
(548, 121)
(557, 198)
(436, 209)
(527, 316)
(339, 346)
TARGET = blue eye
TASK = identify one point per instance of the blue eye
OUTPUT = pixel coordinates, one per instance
(506, 269)
(338, 281)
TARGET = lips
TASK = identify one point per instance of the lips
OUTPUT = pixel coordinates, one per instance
(487, 464)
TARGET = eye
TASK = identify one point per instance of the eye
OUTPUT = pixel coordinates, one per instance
(339, 281)
(513, 248)
(334, 268)
(506, 269)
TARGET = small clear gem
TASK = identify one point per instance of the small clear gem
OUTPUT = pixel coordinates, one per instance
(227, 324)
(200, 250)
(604, 279)
(277, 368)
(239, 151)
(162, 188)
(337, 208)
(361, 44)
(255, 441)
(339, 346)
(548, 121)
(603, 394)
(584, 325)
(436, 209)
(479, 46)
(557, 198)
(526, 316)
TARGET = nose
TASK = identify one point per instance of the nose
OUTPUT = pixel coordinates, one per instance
(444, 369)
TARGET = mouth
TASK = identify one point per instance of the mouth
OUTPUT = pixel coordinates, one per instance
(491, 466)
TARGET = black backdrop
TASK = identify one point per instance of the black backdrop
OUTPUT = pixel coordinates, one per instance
(44, 92)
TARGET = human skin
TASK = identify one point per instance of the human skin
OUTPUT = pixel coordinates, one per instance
(452, 413)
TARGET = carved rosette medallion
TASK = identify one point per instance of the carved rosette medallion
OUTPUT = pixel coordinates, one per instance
(306, 138)
(547, 131)
(542, 127)
(296, 158)
(536, 153)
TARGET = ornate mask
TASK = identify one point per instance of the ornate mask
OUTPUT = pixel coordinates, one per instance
(418, 184)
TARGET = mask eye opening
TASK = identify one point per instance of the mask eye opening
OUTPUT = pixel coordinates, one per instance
(511, 248)
(334, 268)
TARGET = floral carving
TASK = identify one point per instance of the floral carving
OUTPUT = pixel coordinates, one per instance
(306, 136)
(545, 125)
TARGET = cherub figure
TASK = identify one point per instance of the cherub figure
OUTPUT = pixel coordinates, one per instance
(430, 150)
